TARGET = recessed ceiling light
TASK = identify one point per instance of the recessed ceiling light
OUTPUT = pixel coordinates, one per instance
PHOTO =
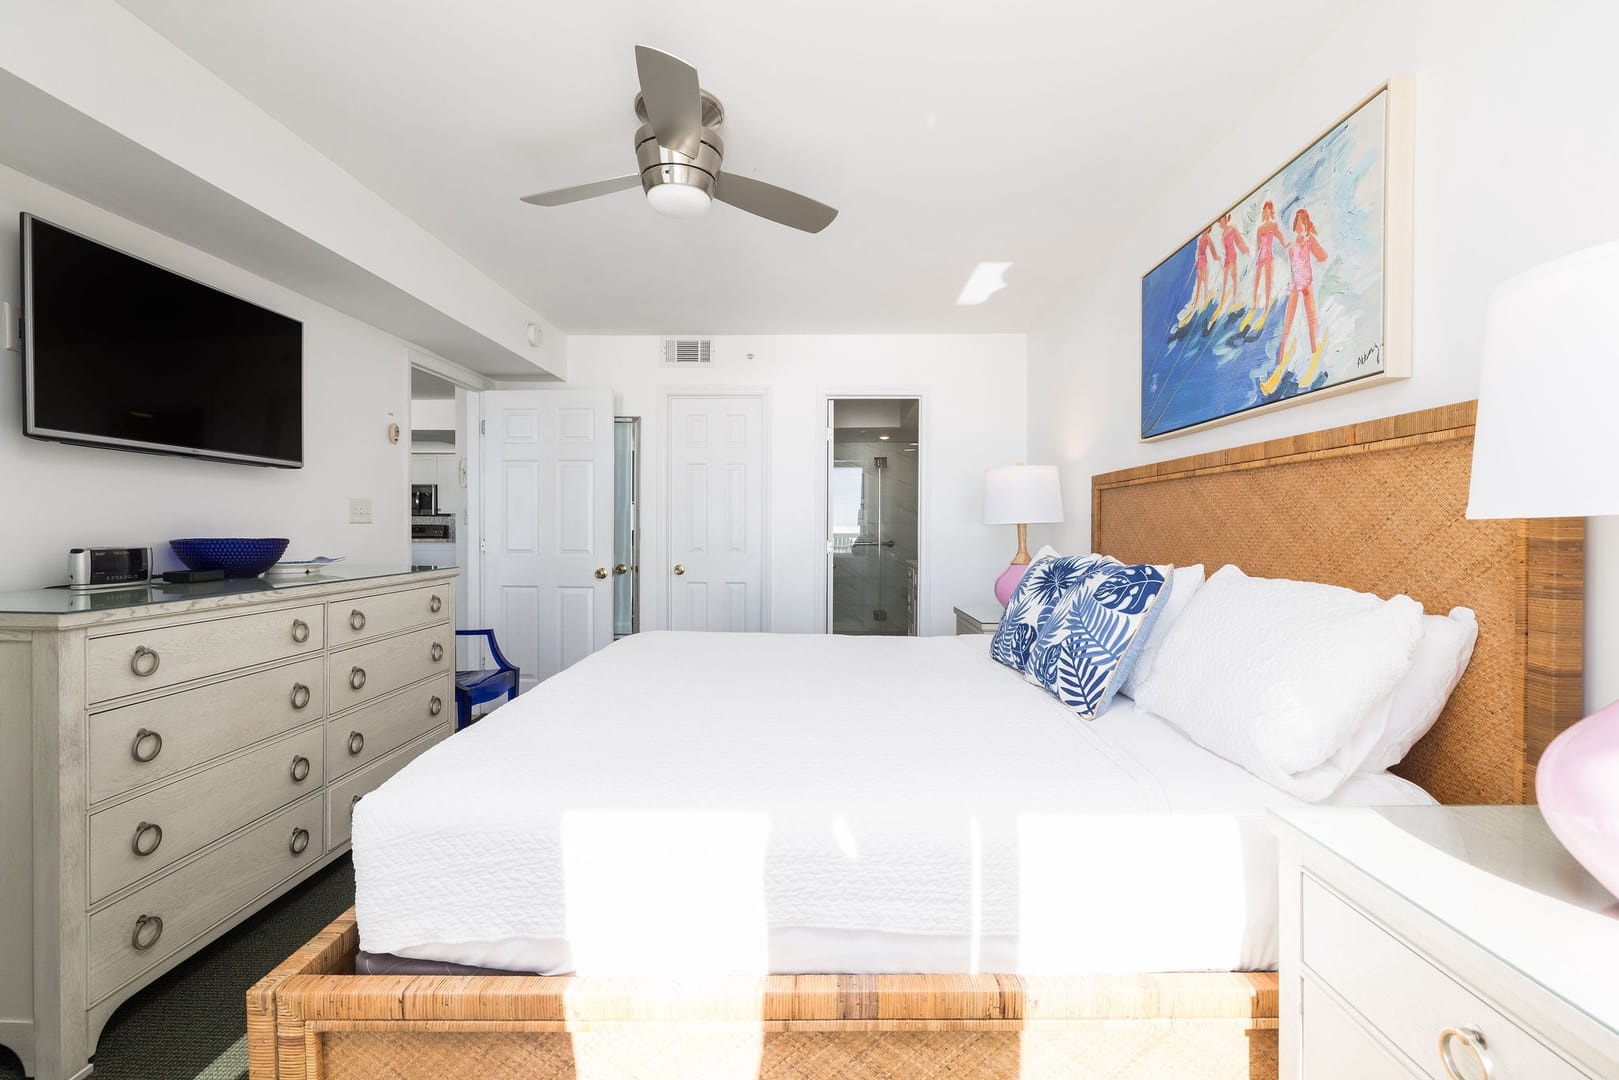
(884, 438)
(985, 281)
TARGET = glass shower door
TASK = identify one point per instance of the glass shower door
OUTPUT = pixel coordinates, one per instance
(873, 496)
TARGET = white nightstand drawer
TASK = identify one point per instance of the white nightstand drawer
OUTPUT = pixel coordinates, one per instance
(1337, 1045)
(1406, 998)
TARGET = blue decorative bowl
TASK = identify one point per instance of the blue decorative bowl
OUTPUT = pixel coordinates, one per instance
(238, 556)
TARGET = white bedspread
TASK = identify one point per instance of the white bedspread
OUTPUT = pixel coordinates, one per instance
(752, 803)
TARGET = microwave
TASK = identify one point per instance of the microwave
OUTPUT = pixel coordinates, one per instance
(423, 499)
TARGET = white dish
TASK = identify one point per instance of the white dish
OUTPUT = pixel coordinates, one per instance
(303, 567)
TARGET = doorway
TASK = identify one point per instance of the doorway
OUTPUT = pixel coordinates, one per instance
(626, 526)
(873, 514)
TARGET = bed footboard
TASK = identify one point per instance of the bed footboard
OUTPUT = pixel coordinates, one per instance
(313, 1019)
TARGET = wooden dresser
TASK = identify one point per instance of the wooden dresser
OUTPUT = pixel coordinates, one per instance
(178, 756)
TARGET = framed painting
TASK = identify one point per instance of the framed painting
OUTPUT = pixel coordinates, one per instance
(1300, 290)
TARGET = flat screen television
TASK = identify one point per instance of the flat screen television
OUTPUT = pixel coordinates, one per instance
(123, 354)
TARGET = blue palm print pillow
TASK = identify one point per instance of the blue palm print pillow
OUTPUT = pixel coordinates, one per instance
(1085, 650)
(1045, 583)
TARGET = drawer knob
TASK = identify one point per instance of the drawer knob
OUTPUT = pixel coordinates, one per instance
(356, 620)
(1465, 1044)
(300, 631)
(300, 769)
(144, 662)
(146, 747)
(299, 841)
(148, 838)
(356, 742)
(435, 705)
(300, 695)
(436, 652)
(434, 604)
(356, 678)
(148, 928)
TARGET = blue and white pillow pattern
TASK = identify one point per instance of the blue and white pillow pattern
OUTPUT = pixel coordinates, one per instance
(1084, 651)
(1032, 602)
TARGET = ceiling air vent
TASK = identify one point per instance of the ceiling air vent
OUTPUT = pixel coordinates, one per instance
(688, 352)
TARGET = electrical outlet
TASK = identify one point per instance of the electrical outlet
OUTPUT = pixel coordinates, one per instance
(12, 331)
(359, 511)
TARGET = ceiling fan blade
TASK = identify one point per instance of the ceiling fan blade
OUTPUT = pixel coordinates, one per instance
(669, 91)
(579, 192)
(777, 204)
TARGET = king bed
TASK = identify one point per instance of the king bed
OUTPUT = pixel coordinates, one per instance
(781, 855)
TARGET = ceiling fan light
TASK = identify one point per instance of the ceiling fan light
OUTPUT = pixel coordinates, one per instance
(679, 200)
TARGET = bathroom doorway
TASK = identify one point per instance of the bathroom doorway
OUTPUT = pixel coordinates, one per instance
(873, 515)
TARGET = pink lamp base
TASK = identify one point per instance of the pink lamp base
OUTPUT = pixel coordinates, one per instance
(1006, 584)
(1577, 785)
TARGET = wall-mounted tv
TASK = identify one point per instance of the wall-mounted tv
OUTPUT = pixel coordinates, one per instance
(123, 354)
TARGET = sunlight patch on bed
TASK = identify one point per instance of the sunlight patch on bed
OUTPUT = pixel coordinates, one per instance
(1129, 892)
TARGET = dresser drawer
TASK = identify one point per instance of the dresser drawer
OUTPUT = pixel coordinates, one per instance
(365, 617)
(179, 818)
(1406, 998)
(369, 671)
(174, 910)
(1335, 1044)
(367, 733)
(342, 795)
(140, 743)
(147, 659)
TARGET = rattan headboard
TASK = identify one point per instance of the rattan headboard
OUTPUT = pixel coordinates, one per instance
(1379, 507)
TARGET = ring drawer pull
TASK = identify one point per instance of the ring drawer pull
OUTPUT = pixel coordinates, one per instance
(356, 742)
(144, 737)
(144, 662)
(356, 678)
(1471, 1040)
(300, 769)
(356, 620)
(435, 705)
(300, 695)
(141, 939)
(300, 631)
(436, 652)
(299, 841)
(434, 603)
(144, 830)
(354, 802)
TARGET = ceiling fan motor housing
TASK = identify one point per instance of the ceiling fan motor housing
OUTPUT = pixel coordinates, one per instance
(660, 165)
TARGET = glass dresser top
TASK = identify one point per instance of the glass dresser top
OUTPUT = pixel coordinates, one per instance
(60, 600)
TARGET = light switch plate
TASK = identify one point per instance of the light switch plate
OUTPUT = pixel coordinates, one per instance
(359, 511)
(11, 333)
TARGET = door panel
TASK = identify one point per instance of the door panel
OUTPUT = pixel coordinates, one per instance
(716, 513)
(548, 503)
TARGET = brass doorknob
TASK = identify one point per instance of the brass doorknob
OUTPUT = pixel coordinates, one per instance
(601, 572)
(679, 569)
(621, 569)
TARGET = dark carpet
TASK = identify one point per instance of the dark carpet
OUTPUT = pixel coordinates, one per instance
(192, 1023)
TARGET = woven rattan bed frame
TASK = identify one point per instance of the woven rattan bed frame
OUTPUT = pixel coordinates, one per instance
(1375, 506)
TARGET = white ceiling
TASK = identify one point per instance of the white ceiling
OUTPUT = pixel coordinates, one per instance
(947, 133)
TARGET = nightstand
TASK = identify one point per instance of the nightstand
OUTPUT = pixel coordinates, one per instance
(1442, 941)
(977, 619)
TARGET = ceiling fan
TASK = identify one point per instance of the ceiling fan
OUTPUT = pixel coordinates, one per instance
(678, 151)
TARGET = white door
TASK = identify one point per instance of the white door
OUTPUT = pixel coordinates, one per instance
(716, 513)
(548, 525)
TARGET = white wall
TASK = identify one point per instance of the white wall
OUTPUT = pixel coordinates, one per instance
(973, 419)
(356, 382)
(1515, 164)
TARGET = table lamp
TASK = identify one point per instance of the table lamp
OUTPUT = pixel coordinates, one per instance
(1543, 447)
(1020, 495)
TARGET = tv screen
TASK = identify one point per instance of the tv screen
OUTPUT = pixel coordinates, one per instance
(124, 354)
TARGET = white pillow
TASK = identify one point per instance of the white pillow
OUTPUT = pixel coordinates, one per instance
(1186, 581)
(1285, 678)
(1412, 708)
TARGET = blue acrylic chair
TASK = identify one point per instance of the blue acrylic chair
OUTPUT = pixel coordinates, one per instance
(480, 686)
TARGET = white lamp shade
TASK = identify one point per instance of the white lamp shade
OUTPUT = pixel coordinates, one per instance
(1548, 403)
(1022, 494)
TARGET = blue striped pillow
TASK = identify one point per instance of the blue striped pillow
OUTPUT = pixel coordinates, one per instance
(1085, 650)
(1043, 585)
